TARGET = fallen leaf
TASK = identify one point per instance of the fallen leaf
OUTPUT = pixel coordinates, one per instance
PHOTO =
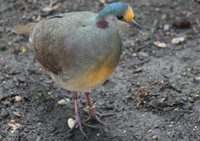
(23, 50)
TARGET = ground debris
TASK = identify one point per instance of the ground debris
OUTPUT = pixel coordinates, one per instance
(13, 125)
(17, 114)
(71, 122)
(54, 5)
(18, 98)
(160, 44)
(23, 29)
(178, 40)
(142, 93)
(181, 23)
(197, 79)
(62, 102)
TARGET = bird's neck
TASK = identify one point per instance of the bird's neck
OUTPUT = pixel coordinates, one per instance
(100, 20)
(112, 9)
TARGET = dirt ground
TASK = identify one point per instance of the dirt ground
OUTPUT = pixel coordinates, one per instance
(154, 91)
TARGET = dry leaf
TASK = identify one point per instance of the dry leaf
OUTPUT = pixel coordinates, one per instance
(23, 50)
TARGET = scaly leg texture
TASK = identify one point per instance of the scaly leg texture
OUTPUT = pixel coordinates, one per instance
(77, 116)
(93, 114)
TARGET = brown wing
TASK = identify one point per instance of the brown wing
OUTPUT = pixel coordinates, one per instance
(49, 47)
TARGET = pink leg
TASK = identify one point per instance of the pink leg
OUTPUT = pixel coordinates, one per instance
(92, 112)
(77, 116)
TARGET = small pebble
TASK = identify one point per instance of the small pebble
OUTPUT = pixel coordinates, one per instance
(197, 79)
(18, 98)
(149, 131)
(2, 47)
(160, 44)
(178, 40)
(62, 102)
(102, 1)
(163, 17)
(70, 122)
(157, 9)
(166, 27)
(155, 138)
(143, 54)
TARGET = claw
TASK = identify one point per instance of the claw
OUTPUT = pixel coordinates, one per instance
(96, 117)
(93, 114)
(78, 123)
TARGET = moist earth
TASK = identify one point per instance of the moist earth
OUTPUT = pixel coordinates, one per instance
(154, 92)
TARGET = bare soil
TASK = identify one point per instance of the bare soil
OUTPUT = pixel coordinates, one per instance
(154, 91)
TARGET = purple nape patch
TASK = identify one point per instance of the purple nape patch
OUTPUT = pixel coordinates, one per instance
(102, 24)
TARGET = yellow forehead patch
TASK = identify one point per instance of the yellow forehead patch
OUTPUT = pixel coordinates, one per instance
(129, 14)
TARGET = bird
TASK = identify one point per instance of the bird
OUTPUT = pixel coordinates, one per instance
(80, 50)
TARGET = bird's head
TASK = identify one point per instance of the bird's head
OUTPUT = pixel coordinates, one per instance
(122, 11)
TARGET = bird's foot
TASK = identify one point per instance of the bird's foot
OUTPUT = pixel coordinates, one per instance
(79, 125)
(78, 122)
(94, 115)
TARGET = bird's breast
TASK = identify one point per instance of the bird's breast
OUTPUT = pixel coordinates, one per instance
(97, 75)
(93, 76)
(99, 59)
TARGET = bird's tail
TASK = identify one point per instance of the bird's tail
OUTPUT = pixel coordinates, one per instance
(24, 30)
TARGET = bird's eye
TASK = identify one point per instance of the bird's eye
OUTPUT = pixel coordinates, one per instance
(120, 17)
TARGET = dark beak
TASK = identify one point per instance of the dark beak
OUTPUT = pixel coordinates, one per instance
(134, 23)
